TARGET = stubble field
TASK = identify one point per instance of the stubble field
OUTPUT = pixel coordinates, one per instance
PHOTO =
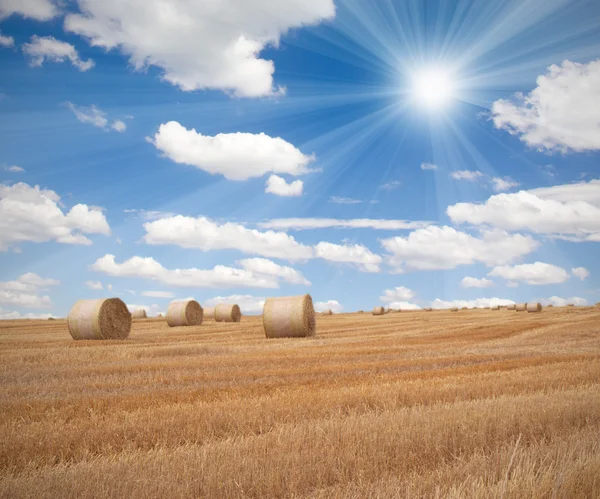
(477, 403)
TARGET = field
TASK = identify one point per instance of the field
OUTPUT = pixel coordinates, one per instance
(477, 403)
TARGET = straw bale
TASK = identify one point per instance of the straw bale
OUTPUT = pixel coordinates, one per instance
(511, 307)
(534, 307)
(428, 309)
(379, 311)
(454, 309)
(227, 313)
(521, 307)
(496, 307)
(104, 319)
(289, 317)
(209, 313)
(184, 313)
(140, 313)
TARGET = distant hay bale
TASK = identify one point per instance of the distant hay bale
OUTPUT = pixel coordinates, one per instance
(465, 308)
(289, 317)
(454, 309)
(496, 307)
(360, 312)
(51, 319)
(140, 313)
(209, 313)
(328, 312)
(550, 306)
(104, 319)
(571, 305)
(511, 307)
(428, 309)
(227, 313)
(184, 313)
(521, 307)
(379, 311)
(534, 307)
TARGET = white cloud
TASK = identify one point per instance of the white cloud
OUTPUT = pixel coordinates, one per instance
(6, 41)
(477, 303)
(40, 10)
(557, 301)
(473, 282)
(332, 223)
(504, 184)
(512, 284)
(26, 300)
(535, 274)
(95, 285)
(6, 315)
(202, 233)
(403, 305)
(15, 169)
(439, 248)
(390, 186)
(28, 282)
(469, 175)
(236, 156)
(151, 310)
(278, 186)
(149, 214)
(158, 294)
(264, 267)
(119, 126)
(343, 200)
(399, 293)
(428, 166)
(333, 305)
(249, 305)
(354, 254)
(148, 268)
(564, 209)
(42, 48)
(560, 114)
(198, 45)
(33, 214)
(580, 272)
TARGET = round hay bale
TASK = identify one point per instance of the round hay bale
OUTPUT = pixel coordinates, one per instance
(465, 308)
(327, 312)
(454, 309)
(534, 307)
(360, 312)
(511, 307)
(521, 307)
(209, 313)
(496, 307)
(184, 313)
(289, 317)
(379, 311)
(571, 305)
(550, 306)
(227, 313)
(104, 319)
(140, 313)
(428, 309)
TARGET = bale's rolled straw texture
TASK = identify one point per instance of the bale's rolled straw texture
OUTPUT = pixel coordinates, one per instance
(227, 313)
(140, 313)
(379, 311)
(454, 309)
(107, 319)
(184, 313)
(511, 307)
(521, 307)
(534, 307)
(209, 313)
(289, 317)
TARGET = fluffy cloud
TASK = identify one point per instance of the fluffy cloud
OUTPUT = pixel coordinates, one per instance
(24, 291)
(94, 285)
(403, 305)
(219, 277)
(332, 223)
(249, 305)
(158, 294)
(264, 267)
(29, 282)
(471, 176)
(6, 41)
(5, 315)
(151, 310)
(581, 272)
(198, 45)
(473, 282)
(202, 233)
(96, 117)
(561, 113)
(343, 200)
(565, 209)
(33, 214)
(439, 248)
(48, 48)
(25, 300)
(503, 184)
(333, 305)
(354, 254)
(40, 10)
(278, 186)
(236, 156)
(399, 293)
(557, 301)
(14, 169)
(118, 126)
(428, 166)
(536, 274)
(477, 303)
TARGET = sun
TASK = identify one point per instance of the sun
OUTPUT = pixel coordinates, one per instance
(433, 87)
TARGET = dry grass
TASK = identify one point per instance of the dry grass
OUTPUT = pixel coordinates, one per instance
(480, 404)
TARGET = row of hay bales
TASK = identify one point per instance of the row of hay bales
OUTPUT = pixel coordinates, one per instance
(106, 319)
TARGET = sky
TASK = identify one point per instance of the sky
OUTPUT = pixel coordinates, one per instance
(404, 153)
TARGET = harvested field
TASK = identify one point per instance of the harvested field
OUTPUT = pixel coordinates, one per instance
(477, 404)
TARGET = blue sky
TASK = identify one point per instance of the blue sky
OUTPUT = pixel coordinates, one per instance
(404, 153)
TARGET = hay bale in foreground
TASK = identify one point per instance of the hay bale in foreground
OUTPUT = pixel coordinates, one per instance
(227, 313)
(454, 309)
(511, 307)
(209, 313)
(521, 307)
(140, 313)
(289, 317)
(104, 319)
(379, 311)
(534, 307)
(184, 313)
